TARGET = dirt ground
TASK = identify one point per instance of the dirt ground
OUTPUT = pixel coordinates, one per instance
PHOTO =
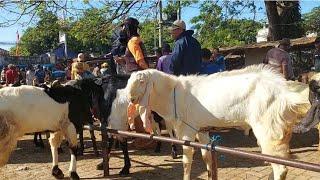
(28, 162)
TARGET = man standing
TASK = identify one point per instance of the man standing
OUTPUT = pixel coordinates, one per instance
(164, 62)
(40, 75)
(280, 59)
(186, 55)
(218, 59)
(316, 56)
(11, 75)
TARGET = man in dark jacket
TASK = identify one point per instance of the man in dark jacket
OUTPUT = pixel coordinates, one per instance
(186, 55)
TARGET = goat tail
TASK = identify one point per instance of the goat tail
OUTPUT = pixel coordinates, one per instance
(289, 108)
(8, 140)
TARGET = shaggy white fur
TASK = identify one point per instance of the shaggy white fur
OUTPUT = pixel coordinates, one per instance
(255, 95)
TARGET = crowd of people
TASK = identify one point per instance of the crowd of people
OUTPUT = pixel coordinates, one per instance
(31, 75)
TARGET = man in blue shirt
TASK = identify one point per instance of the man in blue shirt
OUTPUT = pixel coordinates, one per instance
(218, 59)
(40, 75)
(186, 55)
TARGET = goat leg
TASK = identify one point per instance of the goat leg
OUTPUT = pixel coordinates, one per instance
(110, 143)
(81, 149)
(94, 143)
(127, 164)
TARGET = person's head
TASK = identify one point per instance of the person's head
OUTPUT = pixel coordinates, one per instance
(11, 66)
(81, 57)
(215, 53)
(178, 27)
(166, 49)
(130, 27)
(205, 54)
(285, 44)
(317, 43)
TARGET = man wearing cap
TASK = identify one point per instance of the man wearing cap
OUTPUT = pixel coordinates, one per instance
(280, 59)
(186, 55)
(316, 55)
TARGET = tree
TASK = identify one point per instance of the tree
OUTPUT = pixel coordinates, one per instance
(215, 29)
(91, 33)
(312, 20)
(42, 38)
(284, 19)
(25, 12)
(149, 34)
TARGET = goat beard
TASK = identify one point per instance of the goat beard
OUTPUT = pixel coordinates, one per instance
(145, 114)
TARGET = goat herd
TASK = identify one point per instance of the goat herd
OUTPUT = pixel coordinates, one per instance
(255, 97)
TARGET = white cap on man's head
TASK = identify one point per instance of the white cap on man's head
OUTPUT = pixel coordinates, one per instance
(178, 24)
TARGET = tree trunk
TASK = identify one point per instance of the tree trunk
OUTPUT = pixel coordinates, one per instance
(274, 21)
(284, 19)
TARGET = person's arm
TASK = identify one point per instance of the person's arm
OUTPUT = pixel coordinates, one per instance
(176, 58)
(136, 51)
(284, 67)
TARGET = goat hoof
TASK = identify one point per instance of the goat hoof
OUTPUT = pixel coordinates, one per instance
(74, 176)
(124, 172)
(100, 166)
(57, 173)
(174, 154)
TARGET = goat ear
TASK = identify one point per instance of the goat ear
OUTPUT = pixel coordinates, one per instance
(144, 108)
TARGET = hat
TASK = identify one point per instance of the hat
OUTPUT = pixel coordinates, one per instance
(284, 41)
(178, 24)
(131, 21)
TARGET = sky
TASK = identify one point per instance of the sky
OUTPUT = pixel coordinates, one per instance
(9, 34)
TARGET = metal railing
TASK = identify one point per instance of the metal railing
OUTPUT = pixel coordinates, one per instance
(211, 147)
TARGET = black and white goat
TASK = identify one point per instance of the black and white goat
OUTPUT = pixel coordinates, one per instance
(116, 113)
(28, 109)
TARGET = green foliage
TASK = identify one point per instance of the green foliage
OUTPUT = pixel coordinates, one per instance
(41, 38)
(312, 20)
(214, 29)
(90, 32)
(149, 33)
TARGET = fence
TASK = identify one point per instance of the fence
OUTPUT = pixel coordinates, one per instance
(211, 147)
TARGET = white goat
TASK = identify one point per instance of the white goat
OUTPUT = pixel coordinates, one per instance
(254, 95)
(28, 109)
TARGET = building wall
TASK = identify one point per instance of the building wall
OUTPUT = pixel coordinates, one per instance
(255, 56)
